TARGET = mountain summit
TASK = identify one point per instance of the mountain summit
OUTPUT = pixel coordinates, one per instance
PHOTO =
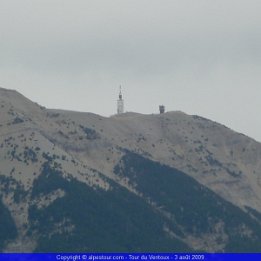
(72, 181)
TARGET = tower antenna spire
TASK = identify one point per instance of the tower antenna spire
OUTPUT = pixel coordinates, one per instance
(120, 103)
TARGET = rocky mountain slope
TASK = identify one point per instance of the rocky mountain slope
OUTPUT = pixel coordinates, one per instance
(72, 181)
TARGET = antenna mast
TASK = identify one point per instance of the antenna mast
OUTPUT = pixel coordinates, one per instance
(120, 103)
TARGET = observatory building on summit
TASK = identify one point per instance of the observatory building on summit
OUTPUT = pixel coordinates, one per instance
(120, 103)
(162, 109)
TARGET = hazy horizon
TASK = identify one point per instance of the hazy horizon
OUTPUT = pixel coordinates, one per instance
(199, 57)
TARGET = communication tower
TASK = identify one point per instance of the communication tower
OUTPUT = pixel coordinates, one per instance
(120, 103)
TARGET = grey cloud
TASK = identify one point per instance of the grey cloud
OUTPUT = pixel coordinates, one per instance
(189, 55)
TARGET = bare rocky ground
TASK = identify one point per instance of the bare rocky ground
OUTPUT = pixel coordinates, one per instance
(87, 147)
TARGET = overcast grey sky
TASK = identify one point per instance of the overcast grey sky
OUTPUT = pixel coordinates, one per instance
(198, 56)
